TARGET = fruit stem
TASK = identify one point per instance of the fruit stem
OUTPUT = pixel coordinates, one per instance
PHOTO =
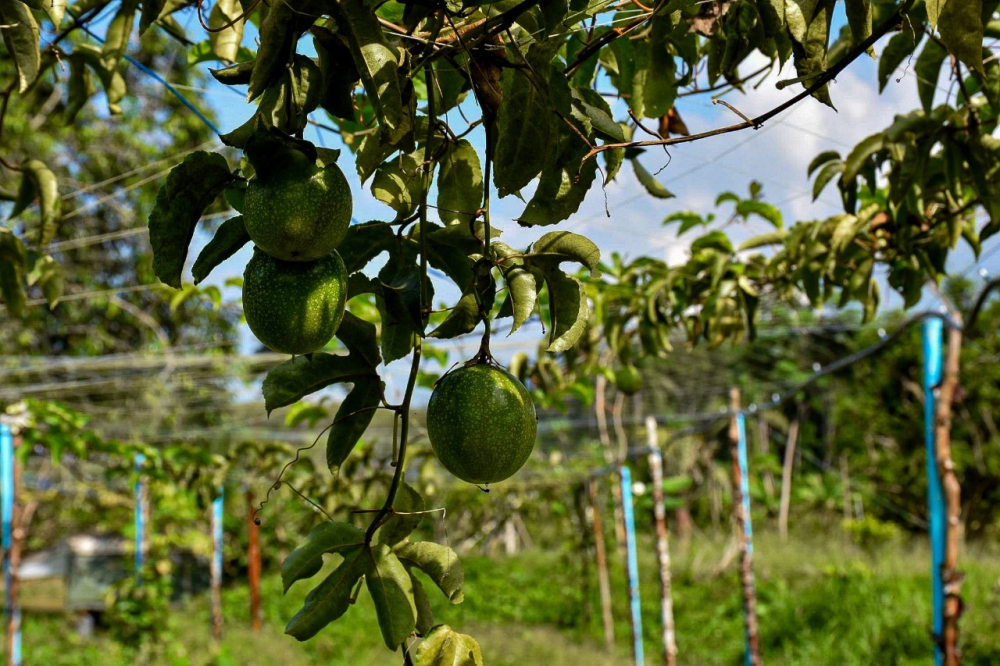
(404, 433)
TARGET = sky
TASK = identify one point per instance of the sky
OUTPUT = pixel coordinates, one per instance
(775, 155)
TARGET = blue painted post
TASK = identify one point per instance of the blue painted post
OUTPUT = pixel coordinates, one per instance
(932, 334)
(632, 564)
(741, 507)
(140, 517)
(217, 511)
(7, 499)
(745, 481)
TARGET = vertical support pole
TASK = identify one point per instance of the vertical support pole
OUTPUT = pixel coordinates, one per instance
(741, 507)
(931, 333)
(632, 565)
(141, 494)
(253, 564)
(217, 507)
(603, 578)
(951, 577)
(7, 500)
(662, 544)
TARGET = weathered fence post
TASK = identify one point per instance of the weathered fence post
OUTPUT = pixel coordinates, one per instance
(944, 492)
(741, 507)
(603, 579)
(632, 565)
(253, 564)
(662, 544)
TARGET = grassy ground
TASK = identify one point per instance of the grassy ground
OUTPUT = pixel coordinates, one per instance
(823, 602)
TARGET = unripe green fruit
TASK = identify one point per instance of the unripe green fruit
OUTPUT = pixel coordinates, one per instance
(628, 379)
(300, 213)
(294, 307)
(481, 423)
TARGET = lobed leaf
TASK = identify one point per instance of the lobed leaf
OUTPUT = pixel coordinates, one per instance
(409, 505)
(360, 337)
(332, 597)
(301, 375)
(439, 562)
(190, 188)
(391, 589)
(352, 419)
(229, 238)
(307, 558)
(20, 36)
(444, 646)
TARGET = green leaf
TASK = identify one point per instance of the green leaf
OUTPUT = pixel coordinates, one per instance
(12, 257)
(899, 48)
(332, 597)
(748, 207)
(46, 273)
(593, 105)
(439, 562)
(398, 183)
(299, 376)
(772, 14)
(859, 17)
(151, 10)
(464, 317)
(226, 43)
(287, 105)
(410, 506)
(111, 76)
(569, 310)
(191, 187)
(352, 419)
(425, 614)
(277, 35)
(20, 36)
(613, 160)
(821, 159)
(522, 289)
(772, 238)
(856, 159)
(230, 237)
(444, 646)
(360, 337)
(234, 75)
(392, 592)
(716, 240)
(928, 68)
(933, 11)
(961, 27)
(524, 132)
(378, 64)
(556, 247)
(811, 53)
(564, 183)
(118, 33)
(364, 242)
(340, 76)
(653, 186)
(81, 88)
(39, 182)
(659, 91)
(460, 184)
(307, 558)
(825, 175)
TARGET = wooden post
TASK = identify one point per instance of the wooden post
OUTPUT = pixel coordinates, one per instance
(741, 507)
(845, 487)
(253, 564)
(950, 578)
(603, 578)
(601, 412)
(632, 566)
(12, 537)
(216, 569)
(662, 544)
(786, 479)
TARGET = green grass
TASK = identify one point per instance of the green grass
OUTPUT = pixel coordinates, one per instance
(824, 602)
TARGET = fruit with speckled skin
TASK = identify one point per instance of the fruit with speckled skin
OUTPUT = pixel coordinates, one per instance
(628, 380)
(481, 423)
(294, 307)
(300, 213)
